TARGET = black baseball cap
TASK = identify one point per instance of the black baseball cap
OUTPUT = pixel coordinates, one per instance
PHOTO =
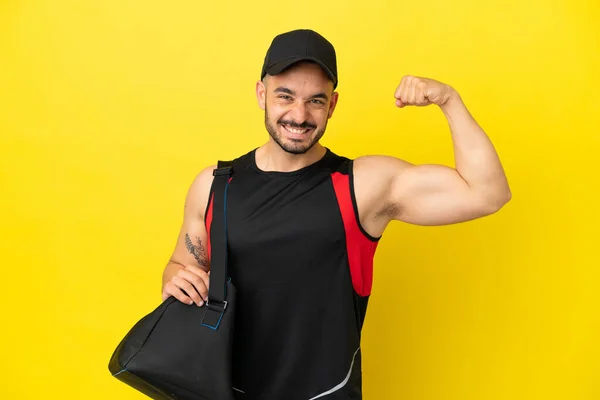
(300, 45)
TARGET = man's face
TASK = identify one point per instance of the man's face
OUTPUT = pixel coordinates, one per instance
(297, 104)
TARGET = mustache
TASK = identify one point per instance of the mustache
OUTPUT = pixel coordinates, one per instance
(304, 125)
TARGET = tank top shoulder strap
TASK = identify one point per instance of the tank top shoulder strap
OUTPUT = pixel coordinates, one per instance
(238, 164)
(335, 163)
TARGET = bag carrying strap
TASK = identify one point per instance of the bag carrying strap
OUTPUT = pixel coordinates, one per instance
(217, 292)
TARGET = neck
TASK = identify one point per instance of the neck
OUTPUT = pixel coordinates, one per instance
(271, 157)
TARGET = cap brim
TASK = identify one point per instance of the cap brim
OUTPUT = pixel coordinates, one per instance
(281, 66)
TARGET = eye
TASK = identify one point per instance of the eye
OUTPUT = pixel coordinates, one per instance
(284, 97)
(316, 101)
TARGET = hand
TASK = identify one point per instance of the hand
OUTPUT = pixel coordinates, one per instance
(416, 91)
(189, 285)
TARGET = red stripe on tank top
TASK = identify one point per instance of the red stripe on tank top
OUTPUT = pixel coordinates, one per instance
(360, 249)
(208, 220)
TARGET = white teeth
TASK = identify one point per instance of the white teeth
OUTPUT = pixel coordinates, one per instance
(293, 130)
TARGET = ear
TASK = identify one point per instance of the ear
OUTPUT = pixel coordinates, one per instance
(332, 104)
(261, 94)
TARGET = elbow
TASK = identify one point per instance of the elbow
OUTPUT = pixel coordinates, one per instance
(497, 201)
(507, 196)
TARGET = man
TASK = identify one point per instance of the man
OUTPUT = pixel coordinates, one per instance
(304, 223)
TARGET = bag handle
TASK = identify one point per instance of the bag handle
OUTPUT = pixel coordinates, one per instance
(217, 292)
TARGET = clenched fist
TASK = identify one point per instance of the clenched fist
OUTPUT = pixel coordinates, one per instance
(416, 91)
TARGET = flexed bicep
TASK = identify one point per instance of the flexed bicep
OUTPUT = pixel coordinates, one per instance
(432, 194)
(429, 194)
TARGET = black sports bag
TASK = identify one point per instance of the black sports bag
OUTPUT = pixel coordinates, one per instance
(181, 351)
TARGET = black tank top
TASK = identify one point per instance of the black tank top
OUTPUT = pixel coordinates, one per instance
(302, 266)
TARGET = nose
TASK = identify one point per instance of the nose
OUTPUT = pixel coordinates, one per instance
(299, 113)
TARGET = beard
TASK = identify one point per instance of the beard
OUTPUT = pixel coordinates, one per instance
(293, 147)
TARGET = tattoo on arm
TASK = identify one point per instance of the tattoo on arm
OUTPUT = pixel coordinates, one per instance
(197, 250)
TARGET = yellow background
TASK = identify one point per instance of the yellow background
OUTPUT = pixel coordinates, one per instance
(109, 108)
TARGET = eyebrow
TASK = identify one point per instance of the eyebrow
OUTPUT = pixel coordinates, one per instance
(282, 89)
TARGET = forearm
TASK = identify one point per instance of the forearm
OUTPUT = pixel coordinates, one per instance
(476, 159)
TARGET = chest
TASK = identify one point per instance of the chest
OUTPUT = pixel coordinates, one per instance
(295, 217)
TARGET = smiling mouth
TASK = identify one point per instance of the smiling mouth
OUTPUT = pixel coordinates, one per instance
(296, 131)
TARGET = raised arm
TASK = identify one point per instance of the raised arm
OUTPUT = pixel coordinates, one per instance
(186, 275)
(394, 189)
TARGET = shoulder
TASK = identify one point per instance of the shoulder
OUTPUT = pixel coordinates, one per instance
(380, 165)
(368, 164)
(377, 172)
(204, 178)
(202, 183)
(198, 193)
(371, 172)
(374, 178)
